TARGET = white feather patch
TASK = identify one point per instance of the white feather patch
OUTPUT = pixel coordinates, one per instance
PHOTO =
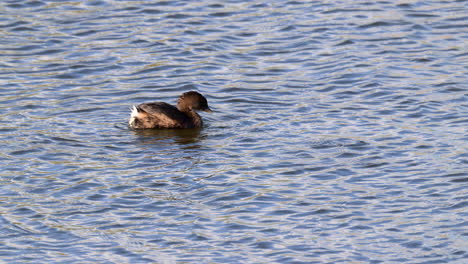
(134, 112)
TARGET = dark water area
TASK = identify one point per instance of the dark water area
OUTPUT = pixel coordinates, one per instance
(338, 133)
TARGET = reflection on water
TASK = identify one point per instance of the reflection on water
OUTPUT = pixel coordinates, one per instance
(339, 133)
(180, 136)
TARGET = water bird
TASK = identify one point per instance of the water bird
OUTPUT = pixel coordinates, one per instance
(164, 115)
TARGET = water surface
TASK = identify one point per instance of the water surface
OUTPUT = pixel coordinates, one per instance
(338, 133)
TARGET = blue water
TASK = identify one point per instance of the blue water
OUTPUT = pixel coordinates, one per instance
(338, 133)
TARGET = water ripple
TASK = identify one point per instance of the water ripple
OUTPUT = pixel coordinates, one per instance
(338, 134)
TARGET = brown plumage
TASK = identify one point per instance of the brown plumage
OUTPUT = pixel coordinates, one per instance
(164, 115)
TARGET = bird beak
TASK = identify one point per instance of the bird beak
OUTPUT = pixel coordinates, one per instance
(208, 110)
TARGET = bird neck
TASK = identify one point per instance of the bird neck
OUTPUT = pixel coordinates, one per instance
(196, 119)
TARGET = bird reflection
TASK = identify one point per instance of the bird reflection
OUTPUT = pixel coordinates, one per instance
(180, 136)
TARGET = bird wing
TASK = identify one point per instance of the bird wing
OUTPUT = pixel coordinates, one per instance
(164, 112)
